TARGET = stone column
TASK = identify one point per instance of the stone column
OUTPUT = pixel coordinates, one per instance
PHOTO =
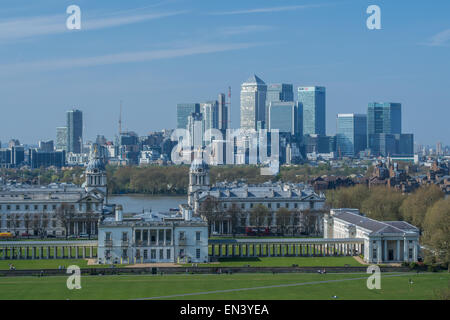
(397, 254)
(415, 251)
(379, 252)
(91, 251)
(212, 250)
(385, 256)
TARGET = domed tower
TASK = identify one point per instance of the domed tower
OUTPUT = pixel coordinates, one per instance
(198, 179)
(96, 174)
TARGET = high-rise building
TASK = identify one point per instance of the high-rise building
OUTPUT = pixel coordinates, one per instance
(312, 100)
(46, 146)
(184, 110)
(253, 103)
(278, 92)
(61, 138)
(210, 111)
(74, 131)
(383, 121)
(351, 135)
(404, 144)
(196, 127)
(283, 116)
(223, 113)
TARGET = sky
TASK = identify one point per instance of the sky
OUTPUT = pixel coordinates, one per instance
(155, 54)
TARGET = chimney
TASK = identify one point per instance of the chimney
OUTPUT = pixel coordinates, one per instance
(119, 215)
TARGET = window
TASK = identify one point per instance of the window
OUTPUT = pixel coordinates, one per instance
(124, 236)
(278, 205)
(54, 207)
(374, 253)
(145, 235)
(182, 236)
(8, 207)
(224, 205)
(45, 207)
(168, 236)
(27, 207)
(410, 253)
(287, 205)
(197, 253)
(197, 235)
(251, 205)
(153, 236)
(243, 206)
(108, 236)
(145, 253)
(160, 237)
(124, 253)
(17, 207)
(168, 254)
(153, 254)
(296, 205)
(181, 252)
(161, 254)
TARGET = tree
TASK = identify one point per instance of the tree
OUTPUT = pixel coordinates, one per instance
(383, 204)
(235, 215)
(436, 233)
(351, 197)
(258, 215)
(209, 209)
(283, 219)
(65, 214)
(415, 206)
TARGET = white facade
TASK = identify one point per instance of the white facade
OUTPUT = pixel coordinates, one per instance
(153, 237)
(384, 241)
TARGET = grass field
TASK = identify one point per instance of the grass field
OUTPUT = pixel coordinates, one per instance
(283, 262)
(237, 286)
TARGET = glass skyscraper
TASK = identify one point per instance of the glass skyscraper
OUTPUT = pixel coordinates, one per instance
(312, 100)
(223, 112)
(383, 121)
(278, 92)
(283, 116)
(74, 131)
(184, 110)
(253, 103)
(351, 135)
(61, 138)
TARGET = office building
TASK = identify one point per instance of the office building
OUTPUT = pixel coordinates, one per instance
(43, 158)
(283, 116)
(184, 110)
(223, 113)
(278, 92)
(74, 131)
(253, 103)
(312, 100)
(351, 136)
(61, 138)
(46, 146)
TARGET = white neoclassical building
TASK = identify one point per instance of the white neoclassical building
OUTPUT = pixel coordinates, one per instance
(152, 237)
(384, 241)
(55, 209)
(297, 198)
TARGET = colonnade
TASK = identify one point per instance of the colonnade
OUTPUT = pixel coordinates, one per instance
(285, 247)
(13, 250)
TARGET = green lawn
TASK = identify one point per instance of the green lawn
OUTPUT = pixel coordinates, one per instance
(284, 262)
(351, 286)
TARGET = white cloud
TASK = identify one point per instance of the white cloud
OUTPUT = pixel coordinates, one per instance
(20, 28)
(266, 10)
(124, 57)
(440, 39)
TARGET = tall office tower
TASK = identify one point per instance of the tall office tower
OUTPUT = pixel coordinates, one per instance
(383, 121)
(210, 111)
(61, 138)
(439, 149)
(404, 144)
(351, 136)
(283, 116)
(74, 131)
(278, 92)
(253, 103)
(312, 100)
(196, 128)
(46, 146)
(223, 112)
(184, 110)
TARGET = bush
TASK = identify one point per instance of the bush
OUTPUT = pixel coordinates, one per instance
(412, 265)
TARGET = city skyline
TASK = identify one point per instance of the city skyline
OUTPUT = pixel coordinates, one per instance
(108, 61)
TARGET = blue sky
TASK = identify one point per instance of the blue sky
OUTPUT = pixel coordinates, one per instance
(155, 54)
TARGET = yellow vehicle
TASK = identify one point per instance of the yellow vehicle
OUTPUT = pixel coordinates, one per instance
(6, 235)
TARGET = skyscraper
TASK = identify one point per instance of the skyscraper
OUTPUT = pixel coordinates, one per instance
(223, 112)
(74, 131)
(184, 110)
(210, 111)
(278, 92)
(253, 103)
(383, 121)
(283, 116)
(312, 100)
(61, 138)
(351, 136)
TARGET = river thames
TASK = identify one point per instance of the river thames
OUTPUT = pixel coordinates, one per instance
(136, 203)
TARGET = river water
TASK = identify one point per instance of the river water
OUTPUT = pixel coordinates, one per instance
(136, 203)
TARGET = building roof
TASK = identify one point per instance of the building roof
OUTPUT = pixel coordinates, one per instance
(254, 79)
(376, 227)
